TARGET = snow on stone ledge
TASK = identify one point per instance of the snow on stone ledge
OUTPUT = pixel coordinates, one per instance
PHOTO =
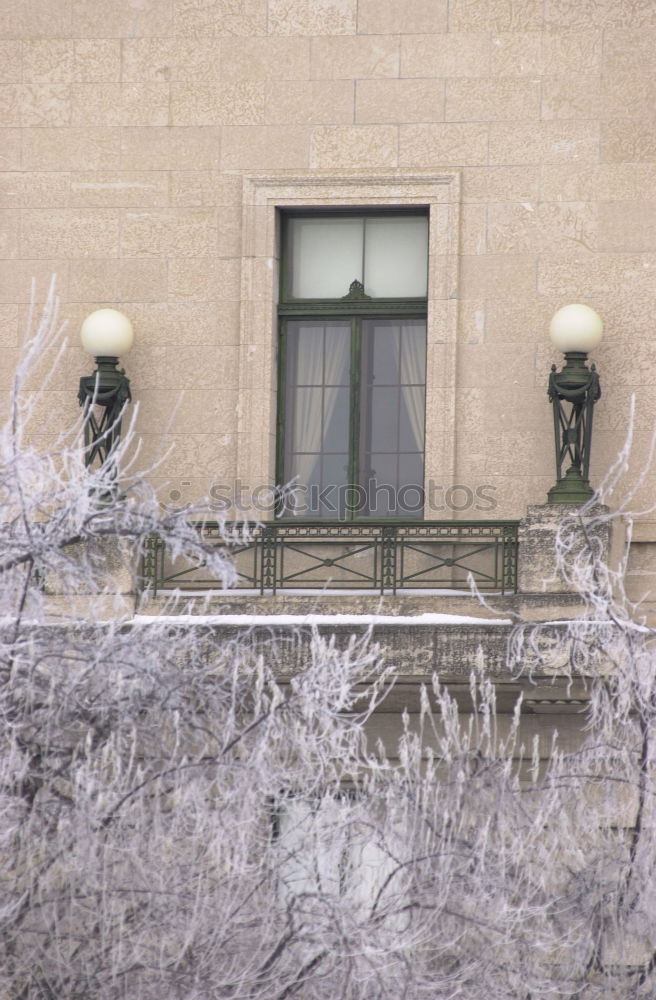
(426, 618)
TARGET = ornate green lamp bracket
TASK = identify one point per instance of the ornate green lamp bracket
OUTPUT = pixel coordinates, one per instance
(104, 396)
(573, 393)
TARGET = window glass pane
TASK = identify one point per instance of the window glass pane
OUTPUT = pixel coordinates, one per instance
(332, 499)
(384, 402)
(396, 488)
(411, 418)
(307, 403)
(318, 353)
(411, 491)
(337, 356)
(396, 257)
(413, 353)
(305, 471)
(335, 419)
(385, 351)
(383, 486)
(326, 256)
(308, 352)
(411, 469)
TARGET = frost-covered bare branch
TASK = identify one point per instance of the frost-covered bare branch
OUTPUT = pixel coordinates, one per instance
(184, 817)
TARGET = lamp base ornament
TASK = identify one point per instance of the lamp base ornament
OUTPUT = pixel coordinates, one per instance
(572, 488)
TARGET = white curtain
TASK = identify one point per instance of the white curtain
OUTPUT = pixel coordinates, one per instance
(413, 370)
(316, 366)
(307, 429)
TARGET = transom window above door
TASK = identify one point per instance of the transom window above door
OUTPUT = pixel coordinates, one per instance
(386, 254)
(353, 364)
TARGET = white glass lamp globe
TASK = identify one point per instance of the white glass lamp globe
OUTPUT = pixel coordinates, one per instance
(576, 328)
(107, 333)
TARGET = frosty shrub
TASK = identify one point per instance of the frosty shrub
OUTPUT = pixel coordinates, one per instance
(180, 820)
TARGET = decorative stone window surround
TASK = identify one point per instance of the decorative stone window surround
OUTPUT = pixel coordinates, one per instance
(263, 198)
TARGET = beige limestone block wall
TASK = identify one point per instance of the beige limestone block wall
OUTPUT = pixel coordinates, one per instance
(127, 128)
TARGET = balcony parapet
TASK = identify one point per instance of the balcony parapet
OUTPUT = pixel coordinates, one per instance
(379, 557)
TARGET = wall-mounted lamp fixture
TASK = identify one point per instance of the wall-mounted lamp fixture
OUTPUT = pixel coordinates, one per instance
(575, 329)
(106, 334)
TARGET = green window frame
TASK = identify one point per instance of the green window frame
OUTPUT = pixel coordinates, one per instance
(352, 380)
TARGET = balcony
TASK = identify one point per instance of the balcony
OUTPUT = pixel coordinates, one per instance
(380, 557)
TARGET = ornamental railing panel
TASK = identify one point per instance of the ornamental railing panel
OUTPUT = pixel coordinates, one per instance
(380, 556)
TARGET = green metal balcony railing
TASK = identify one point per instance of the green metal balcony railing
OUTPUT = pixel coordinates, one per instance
(380, 556)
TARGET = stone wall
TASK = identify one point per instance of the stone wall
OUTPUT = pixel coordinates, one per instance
(127, 129)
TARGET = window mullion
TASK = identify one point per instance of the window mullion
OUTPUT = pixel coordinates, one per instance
(354, 421)
(281, 436)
